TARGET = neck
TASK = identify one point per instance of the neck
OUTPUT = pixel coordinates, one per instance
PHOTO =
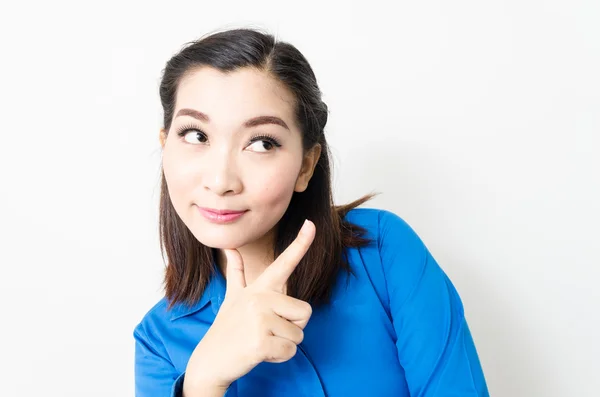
(256, 256)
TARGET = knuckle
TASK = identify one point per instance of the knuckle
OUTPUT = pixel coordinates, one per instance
(301, 244)
(262, 319)
(262, 347)
(300, 337)
(290, 350)
(294, 249)
(308, 309)
(302, 323)
(284, 261)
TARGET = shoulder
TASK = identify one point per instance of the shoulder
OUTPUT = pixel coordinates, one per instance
(388, 229)
(153, 324)
(396, 251)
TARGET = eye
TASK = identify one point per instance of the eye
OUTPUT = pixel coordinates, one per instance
(193, 135)
(263, 144)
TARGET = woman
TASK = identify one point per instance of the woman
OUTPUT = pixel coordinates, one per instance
(270, 289)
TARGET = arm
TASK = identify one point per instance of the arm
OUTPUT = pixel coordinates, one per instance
(434, 343)
(155, 375)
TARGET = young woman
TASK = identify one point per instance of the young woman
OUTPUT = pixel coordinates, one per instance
(270, 289)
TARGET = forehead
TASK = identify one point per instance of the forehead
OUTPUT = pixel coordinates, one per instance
(240, 94)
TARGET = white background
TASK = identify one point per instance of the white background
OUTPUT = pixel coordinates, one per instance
(478, 122)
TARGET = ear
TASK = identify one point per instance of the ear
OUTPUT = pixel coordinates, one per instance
(162, 137)
(309, 162)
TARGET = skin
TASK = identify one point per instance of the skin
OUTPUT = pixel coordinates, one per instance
(255, 323)
(223, 169)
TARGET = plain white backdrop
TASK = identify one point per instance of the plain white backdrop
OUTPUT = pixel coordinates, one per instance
(478, 122)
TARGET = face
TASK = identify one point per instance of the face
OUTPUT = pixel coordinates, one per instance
(234, 145)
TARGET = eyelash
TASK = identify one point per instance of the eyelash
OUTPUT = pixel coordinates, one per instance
(261, 137)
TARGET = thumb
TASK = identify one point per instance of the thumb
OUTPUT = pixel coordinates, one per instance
(235, 271)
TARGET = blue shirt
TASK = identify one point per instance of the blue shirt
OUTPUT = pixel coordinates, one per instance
(396, 329)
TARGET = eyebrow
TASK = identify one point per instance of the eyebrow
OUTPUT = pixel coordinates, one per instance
(253, 122)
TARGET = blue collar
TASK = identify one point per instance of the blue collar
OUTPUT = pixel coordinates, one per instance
(214, 293)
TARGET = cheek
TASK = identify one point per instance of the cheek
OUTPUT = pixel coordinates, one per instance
(179, 177)
(274, 189)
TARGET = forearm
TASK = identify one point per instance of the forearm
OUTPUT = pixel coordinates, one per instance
(202, 389)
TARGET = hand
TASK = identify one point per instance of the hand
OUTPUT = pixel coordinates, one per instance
(255, 323)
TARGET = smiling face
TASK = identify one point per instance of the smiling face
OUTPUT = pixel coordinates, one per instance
(234, 144)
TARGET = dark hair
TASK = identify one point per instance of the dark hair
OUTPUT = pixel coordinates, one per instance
(190, 263)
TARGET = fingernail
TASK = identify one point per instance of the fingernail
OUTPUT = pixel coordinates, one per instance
(304, 230)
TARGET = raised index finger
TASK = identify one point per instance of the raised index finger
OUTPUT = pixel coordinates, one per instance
(278, 272)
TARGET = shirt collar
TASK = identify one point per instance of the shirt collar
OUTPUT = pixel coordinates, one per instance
(213, 294)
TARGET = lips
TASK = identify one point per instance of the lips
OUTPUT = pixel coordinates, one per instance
(221, 216)
(221, 212)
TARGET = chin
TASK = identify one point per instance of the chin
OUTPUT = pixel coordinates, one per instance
(229, 236)
(222, 241)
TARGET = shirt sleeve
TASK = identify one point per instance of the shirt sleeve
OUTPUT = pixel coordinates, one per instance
(435, 346)
(155, 375)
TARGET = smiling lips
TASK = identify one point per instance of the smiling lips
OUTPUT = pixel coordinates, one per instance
(220, 216)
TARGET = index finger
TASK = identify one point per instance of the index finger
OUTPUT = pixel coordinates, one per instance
(275, 276)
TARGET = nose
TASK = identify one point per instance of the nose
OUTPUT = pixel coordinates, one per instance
(221, 174)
